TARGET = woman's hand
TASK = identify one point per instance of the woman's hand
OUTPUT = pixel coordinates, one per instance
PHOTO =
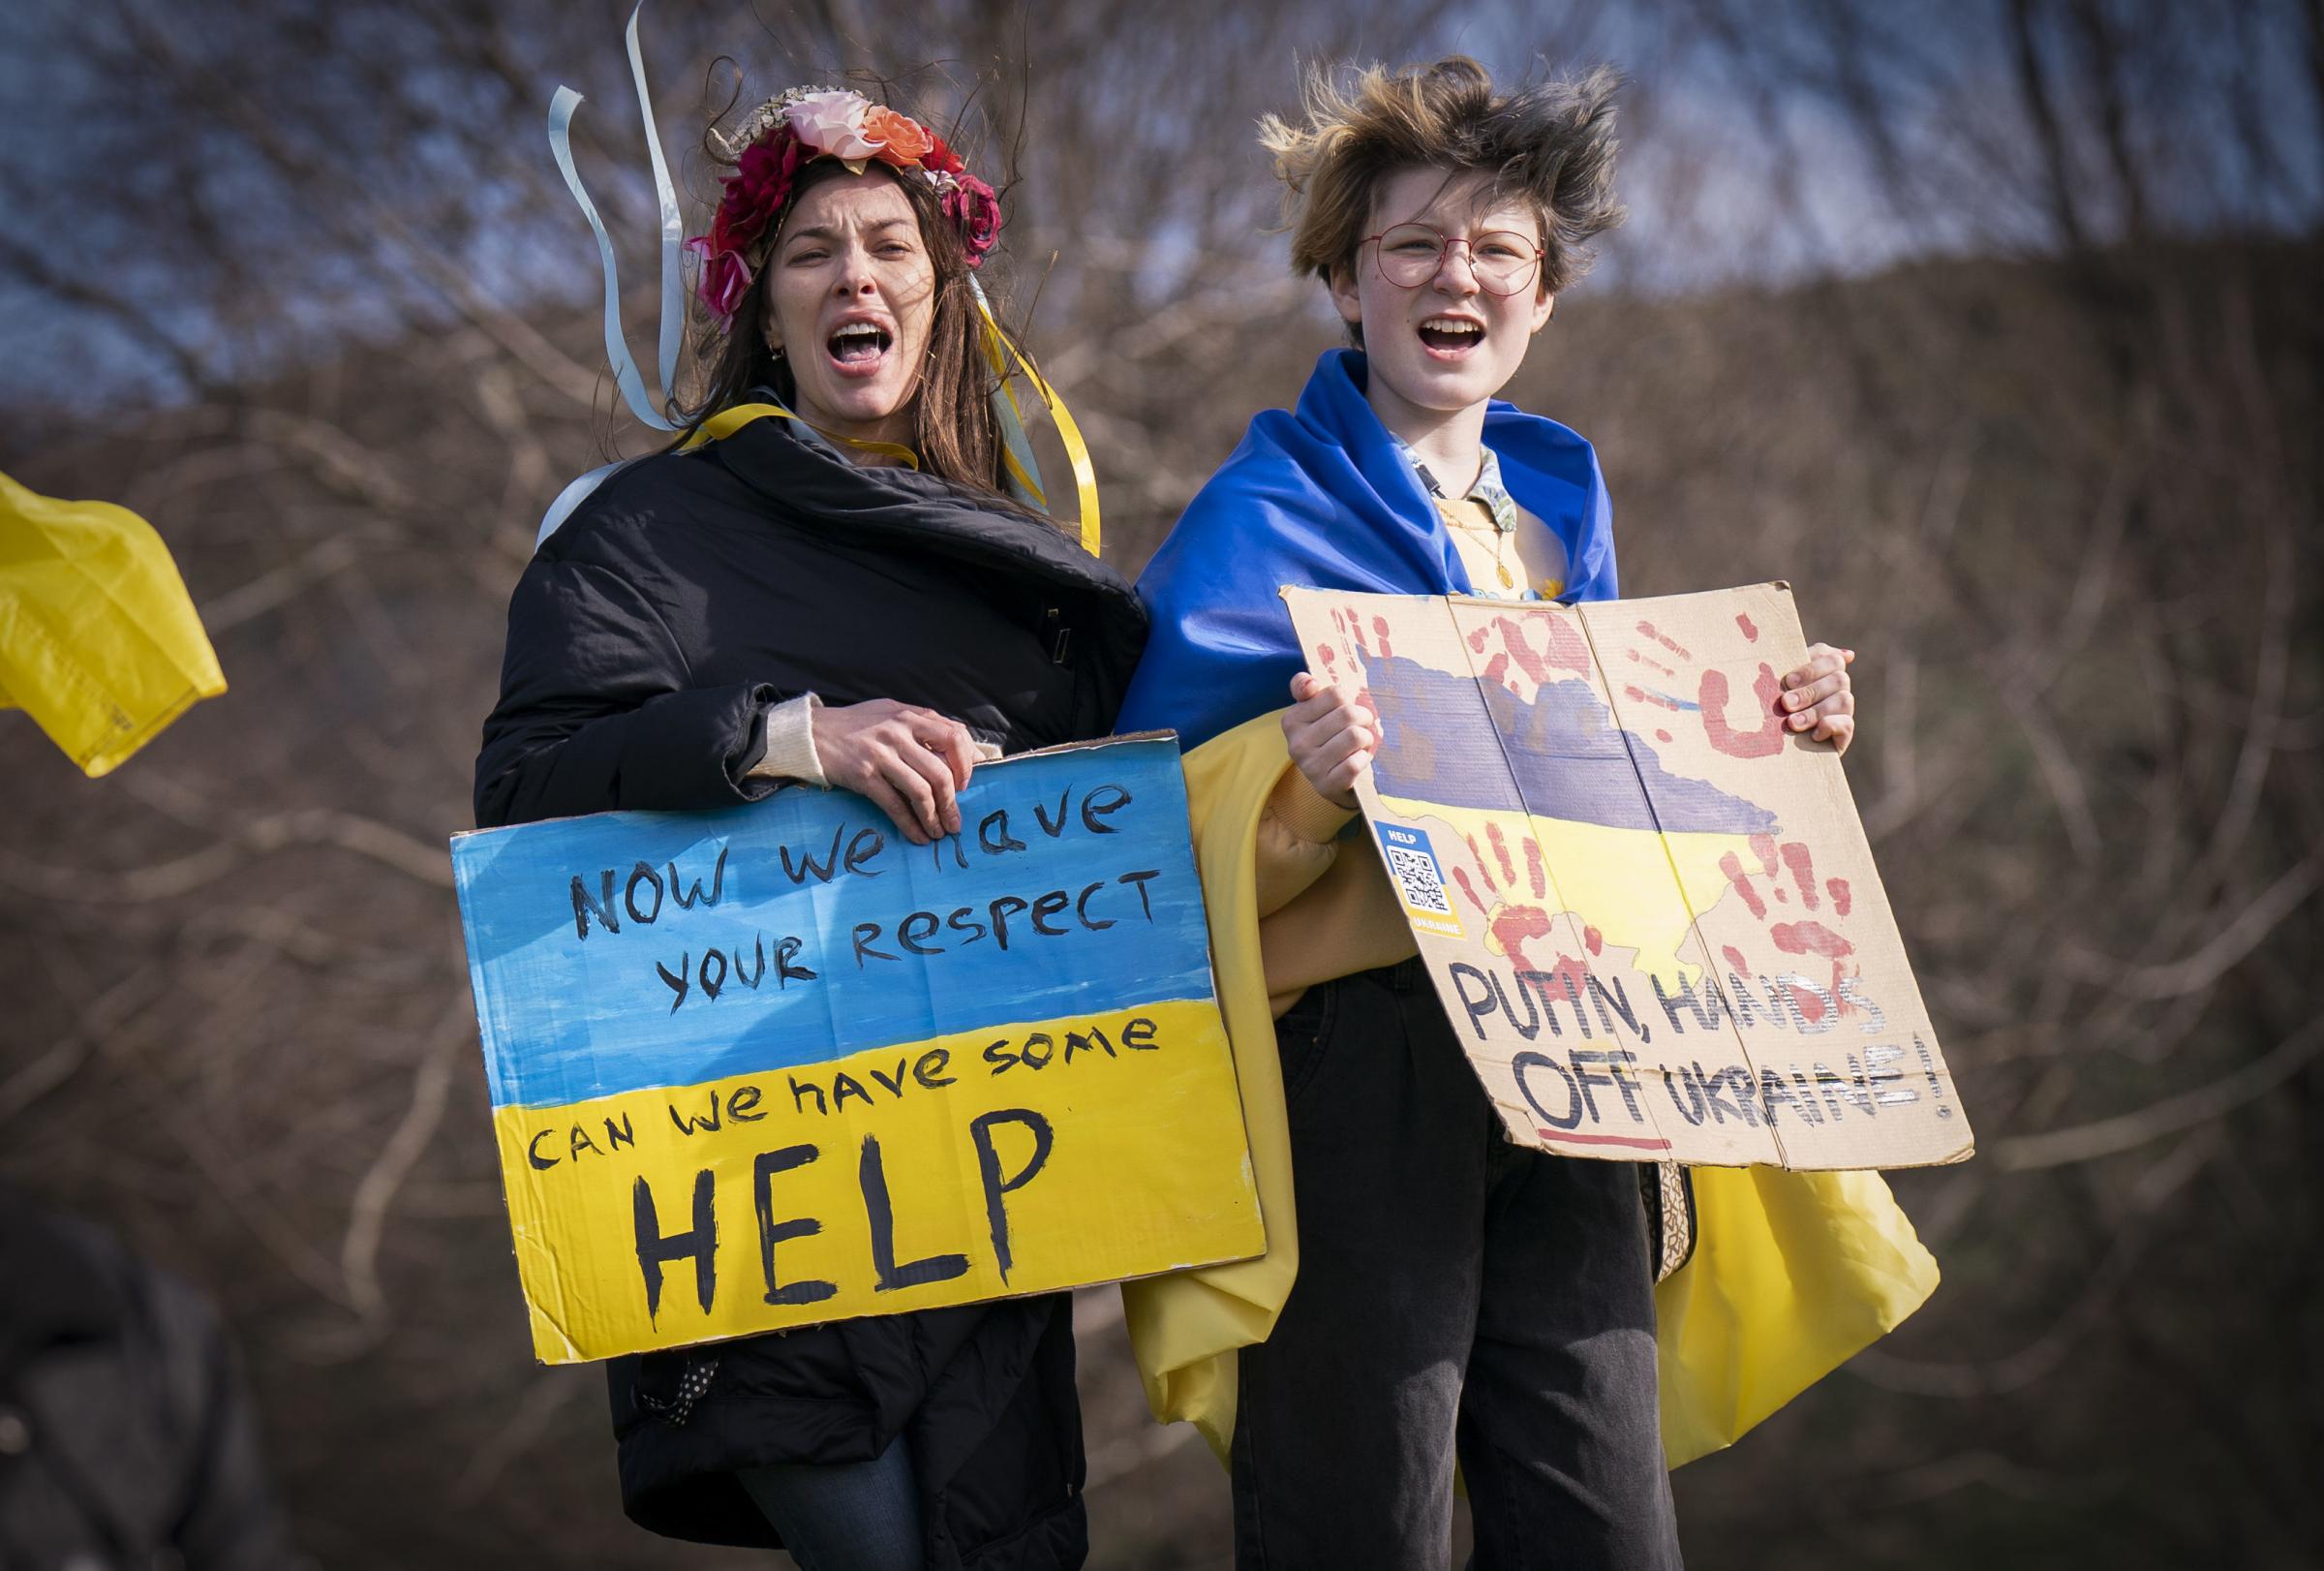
(909, 761)
(1818, 694)
(1332, 738)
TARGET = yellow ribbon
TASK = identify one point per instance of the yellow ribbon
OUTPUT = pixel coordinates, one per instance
(999, 352)
(728, 422)
(1077, 451)
(1016, 465)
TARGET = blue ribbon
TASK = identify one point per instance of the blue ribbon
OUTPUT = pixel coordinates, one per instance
(626, 374)
(573, 496)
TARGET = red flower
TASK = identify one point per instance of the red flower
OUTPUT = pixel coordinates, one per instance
(940, 158)
(756, 189)
(759, 185)
(976, 213)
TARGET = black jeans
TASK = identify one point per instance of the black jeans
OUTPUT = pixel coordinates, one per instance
(1456, 1295)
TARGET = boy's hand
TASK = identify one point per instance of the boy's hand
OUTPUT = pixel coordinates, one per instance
(1332, 736)
(1818, 694)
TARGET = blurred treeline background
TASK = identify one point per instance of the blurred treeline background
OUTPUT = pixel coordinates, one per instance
(1993, 326)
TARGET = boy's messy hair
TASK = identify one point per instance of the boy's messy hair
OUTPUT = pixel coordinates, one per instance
(1548, 143)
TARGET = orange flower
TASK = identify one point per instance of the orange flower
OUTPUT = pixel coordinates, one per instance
(903, 141)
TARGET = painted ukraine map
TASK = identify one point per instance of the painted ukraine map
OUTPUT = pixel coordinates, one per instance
(1650, 910)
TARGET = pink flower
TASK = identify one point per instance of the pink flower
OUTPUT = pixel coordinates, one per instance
(833, 123)
(725, 280)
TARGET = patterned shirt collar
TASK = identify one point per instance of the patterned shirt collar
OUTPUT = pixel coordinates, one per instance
(1488, 488)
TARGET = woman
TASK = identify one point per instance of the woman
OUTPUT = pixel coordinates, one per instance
(1436, 1293)
(837, 593)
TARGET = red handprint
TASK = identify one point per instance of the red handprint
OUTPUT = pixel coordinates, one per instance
(1512, 922)
(1659, 683)
(1349, 621)
(1810, 934)
(1820, 691)
(1530, 650)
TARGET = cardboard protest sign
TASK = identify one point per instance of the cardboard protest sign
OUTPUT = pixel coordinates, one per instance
(1649, 910)
(775, 1064)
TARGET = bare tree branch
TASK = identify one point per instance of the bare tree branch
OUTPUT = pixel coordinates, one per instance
(2128, 1132)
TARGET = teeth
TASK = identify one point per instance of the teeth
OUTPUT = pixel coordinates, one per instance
(1444, 324)
(856, 329)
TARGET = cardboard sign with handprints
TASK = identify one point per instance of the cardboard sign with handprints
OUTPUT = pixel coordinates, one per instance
(1649, 909)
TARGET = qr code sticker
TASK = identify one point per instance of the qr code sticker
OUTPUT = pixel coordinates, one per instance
(1416, 874)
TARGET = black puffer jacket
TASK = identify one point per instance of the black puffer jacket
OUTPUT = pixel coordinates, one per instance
(646, 642)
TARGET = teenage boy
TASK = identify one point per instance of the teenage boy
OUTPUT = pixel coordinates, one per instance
(1443, 1295)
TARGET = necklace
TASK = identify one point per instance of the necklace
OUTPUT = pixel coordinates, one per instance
(1504, 517)
(1500, 538)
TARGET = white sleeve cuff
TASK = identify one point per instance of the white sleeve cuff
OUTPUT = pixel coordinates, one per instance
(791, 753)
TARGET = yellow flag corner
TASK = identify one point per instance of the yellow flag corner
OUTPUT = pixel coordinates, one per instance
(99, 641)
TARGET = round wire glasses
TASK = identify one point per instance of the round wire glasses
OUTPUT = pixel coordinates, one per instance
(1501, 260)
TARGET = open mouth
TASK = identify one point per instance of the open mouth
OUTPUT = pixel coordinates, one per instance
(859, 347)
(1446, 335)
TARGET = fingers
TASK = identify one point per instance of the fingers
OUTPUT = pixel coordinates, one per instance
(1839, 703)
(1331, 736)
(923, 778)
(924, 758)
(1323, 740)
(1324, 749)
(1813, 692)
(883, 796)
(1823, 659)
(907, 795)
(908, 761)
(950, 741)
(1339, 782)
(1819, 698)
(1315, 700)
(1826, 710)
(1333, 758)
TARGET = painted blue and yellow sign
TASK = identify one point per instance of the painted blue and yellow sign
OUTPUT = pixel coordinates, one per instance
(776, 1065)
(1648, 906)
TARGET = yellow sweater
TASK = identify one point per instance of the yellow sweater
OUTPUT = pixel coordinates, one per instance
(1320, 914)
(1792, 1274)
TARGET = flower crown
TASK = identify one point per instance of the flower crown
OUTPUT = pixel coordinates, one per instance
(791, 130)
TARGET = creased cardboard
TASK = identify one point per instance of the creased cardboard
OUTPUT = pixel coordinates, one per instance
(1649, 910)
